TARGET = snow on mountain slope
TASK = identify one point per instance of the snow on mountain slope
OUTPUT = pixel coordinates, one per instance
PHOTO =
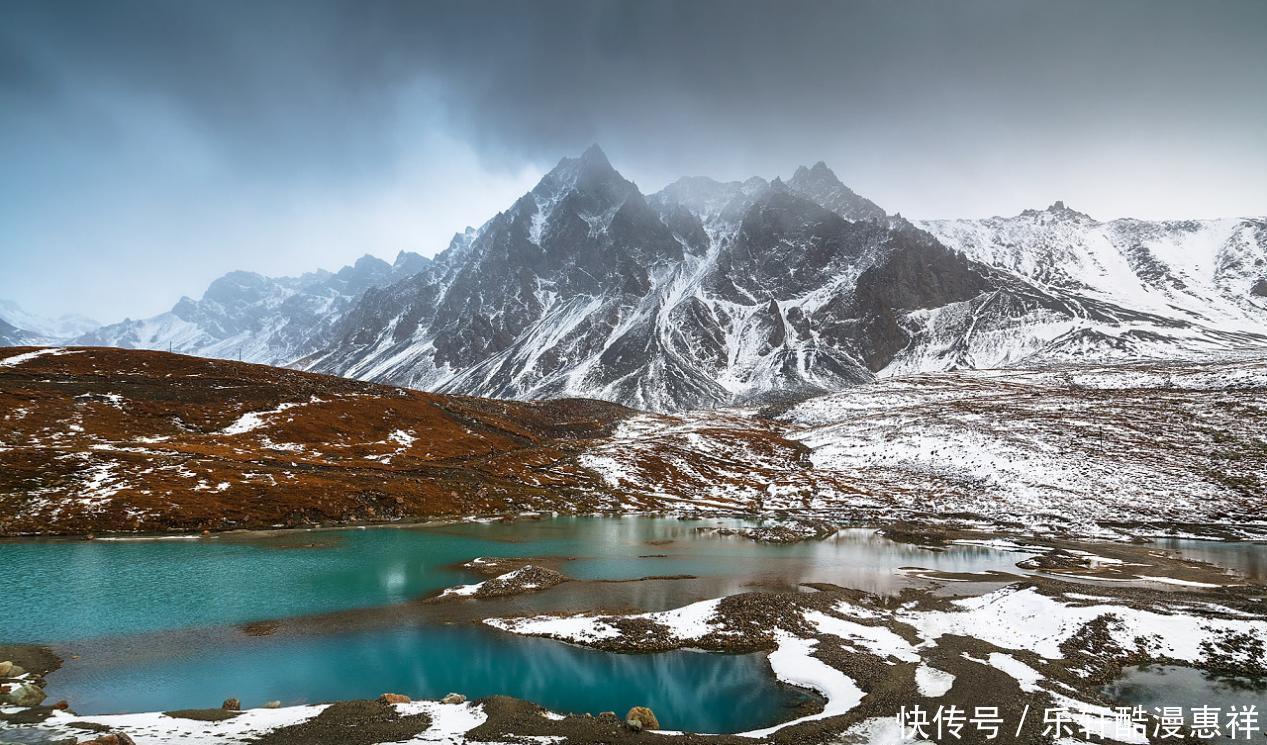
(11, 336)
(1202, 272)
(702, 295)
(710, 294)
(62, 327)
(256, 318)
(1073, 445)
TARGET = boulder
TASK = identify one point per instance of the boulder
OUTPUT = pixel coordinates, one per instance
(643, 716)
(5, 668)
(25, 695)
(453, 698)
(231, 704)
(634, 725)
(273, 705)
(394, 698)
(110, 738)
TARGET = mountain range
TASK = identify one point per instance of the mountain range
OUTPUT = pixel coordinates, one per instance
(19, 326)
(709, 294)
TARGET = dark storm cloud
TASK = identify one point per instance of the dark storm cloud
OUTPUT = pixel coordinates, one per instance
(310, 84)
(140, 130)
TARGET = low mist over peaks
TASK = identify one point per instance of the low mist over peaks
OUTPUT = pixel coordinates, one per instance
(35, 326)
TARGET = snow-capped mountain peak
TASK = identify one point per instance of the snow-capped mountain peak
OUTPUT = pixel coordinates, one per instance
(819, 184)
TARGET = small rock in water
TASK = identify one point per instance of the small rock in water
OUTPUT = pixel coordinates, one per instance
(25, 695)
(62, 705)
(231, 704)
(394, 698)
(644, 717)
(273, 705)
(453, 698)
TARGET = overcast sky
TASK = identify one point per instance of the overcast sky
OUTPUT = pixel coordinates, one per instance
(148, 147)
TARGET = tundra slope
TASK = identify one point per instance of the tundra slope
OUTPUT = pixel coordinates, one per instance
(96, 440)
(712, 294)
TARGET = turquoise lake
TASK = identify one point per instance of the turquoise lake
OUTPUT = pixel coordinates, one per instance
(158, 624)
(690, 690)
(65, 591)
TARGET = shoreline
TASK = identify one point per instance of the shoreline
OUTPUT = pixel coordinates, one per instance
(1063, 560)
(1222, 532)
(850, 636)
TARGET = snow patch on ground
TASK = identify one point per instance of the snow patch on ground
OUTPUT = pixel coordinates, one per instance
(1024, 619)
(932, 682)
(21, 359)
(688, 623)
(449, 722)
(876, 640)
(253, 420)
(793, 662)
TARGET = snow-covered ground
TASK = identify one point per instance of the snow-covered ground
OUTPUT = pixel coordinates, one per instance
(449, 722)
(1014, 619)
(1073, 445)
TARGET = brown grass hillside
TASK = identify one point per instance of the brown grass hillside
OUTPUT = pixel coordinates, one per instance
(99, 439)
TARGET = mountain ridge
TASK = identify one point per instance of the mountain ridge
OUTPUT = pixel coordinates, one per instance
(709, 293)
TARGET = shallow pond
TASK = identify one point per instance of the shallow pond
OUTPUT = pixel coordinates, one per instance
(1157, 686)
(1246, 558)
